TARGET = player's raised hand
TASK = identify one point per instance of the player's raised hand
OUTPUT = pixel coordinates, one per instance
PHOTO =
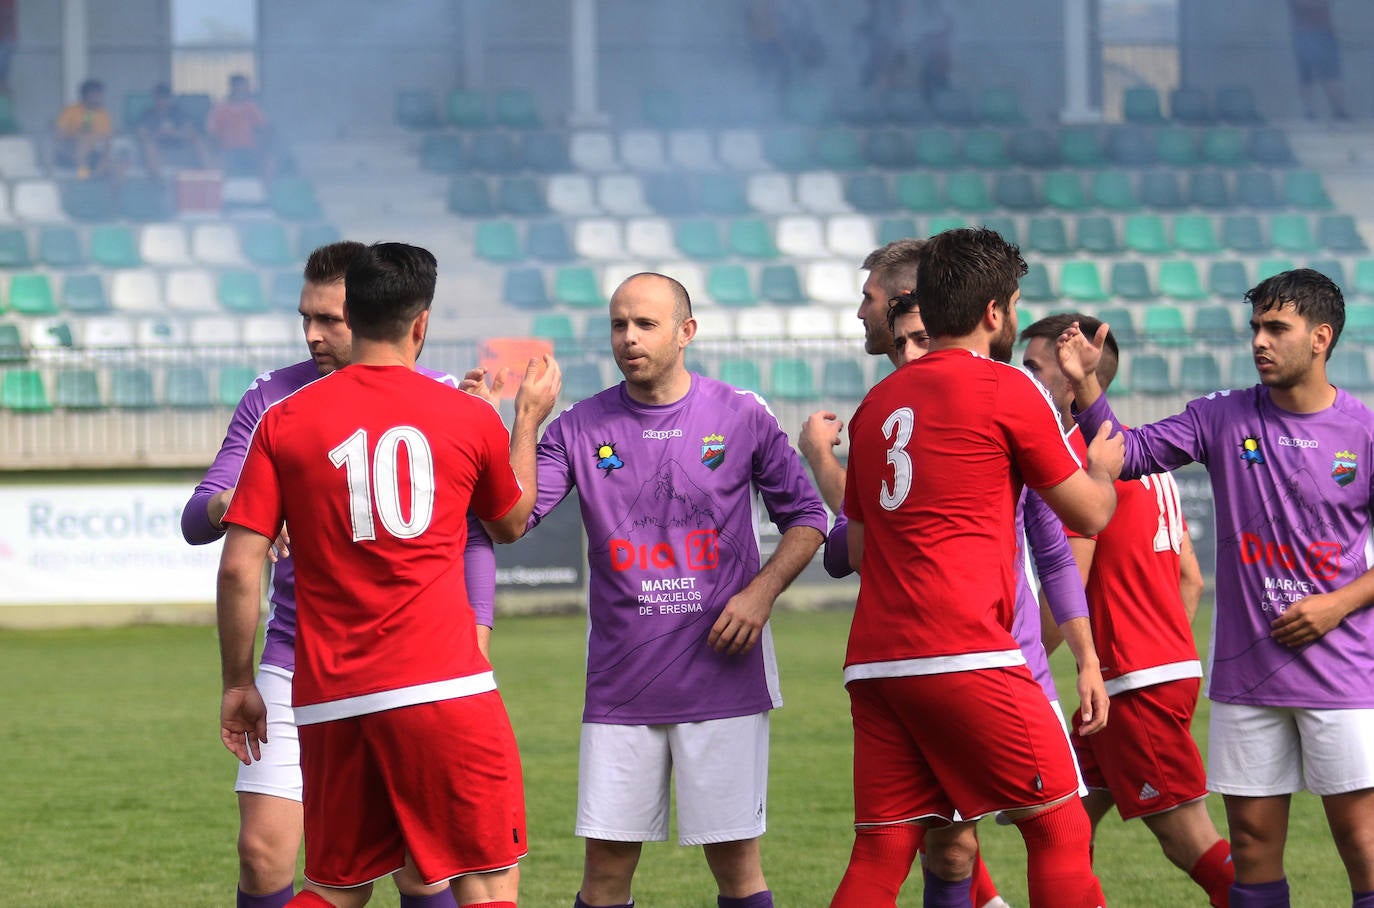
(475, 383)
(819, 434)
(1107, 452)
(243, 722)
(741, 622)
(539, 389)
(1079, 354)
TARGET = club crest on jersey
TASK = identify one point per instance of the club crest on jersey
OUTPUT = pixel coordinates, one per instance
(713, 451)
(606, 458)
(1343, 468)
(1250, 450)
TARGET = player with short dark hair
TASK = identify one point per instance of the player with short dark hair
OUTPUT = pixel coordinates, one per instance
(925, 636)
(406, 750)
(1143, 584)
(1290, 658)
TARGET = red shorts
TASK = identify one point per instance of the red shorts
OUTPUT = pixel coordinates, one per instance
(440, 781)
(1146, 756)
(974, 742)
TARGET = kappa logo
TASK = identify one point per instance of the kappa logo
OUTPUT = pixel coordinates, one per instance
(1148, 792)
(713, 451)
(606, 458)
(1343, 468)
(1250, 450)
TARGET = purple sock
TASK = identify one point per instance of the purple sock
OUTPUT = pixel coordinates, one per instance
(1362, 899)
(944, 894)
(1260, 895)
(271, 900)
(762, 899)
(442, 899)
(578, 903)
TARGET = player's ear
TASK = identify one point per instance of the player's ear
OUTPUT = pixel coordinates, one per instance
(991, 315)
(687, 330)
(1322, 338)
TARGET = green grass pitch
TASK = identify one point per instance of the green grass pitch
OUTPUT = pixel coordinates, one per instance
(117, 791)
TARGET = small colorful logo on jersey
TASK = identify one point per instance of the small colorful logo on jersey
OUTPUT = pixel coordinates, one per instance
(1250, 450)
(607, 459)
(1343, 468)
(713, 451)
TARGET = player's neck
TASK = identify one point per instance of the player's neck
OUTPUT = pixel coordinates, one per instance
(974, 343)
(669, 390)
(1312, 395)
(377, 353)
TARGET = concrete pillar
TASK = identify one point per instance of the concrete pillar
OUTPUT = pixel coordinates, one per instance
(586, 111)
(75, 49)
(1078, 66)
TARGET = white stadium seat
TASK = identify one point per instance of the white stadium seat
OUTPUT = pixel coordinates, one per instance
(691, 149)
(741, 149)
(136, 290)
(834, 282)
(622, 194)
(598, 238)
(37, 200)
(593, 151)
(215, 244)
(571, 194)
(800, 236)
(770, 193)
(821, 193)
(851, 235)
(164, 245)
(191, 290)
(642, 149)
(650, 238)
(810, 323)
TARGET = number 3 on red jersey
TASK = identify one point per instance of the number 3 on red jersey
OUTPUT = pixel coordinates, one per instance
(382, 480)
(898, 427)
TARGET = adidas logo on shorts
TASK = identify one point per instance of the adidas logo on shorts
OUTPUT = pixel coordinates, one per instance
(1148, 792)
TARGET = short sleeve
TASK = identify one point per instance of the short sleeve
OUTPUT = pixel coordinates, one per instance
(496, 490)
(257, 501)
(1032, 431)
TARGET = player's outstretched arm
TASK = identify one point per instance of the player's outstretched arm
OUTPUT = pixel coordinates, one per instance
(741, 622)
(1092, 691)
(819, 436)
(534, 401)
(1078, 358)
(1315, 616)
(243, 716)
(1085, 501)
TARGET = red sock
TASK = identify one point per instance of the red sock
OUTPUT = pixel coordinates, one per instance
(307, 899)
(1215, 873)
(984, 889)
(878, 866)
(1058, 869)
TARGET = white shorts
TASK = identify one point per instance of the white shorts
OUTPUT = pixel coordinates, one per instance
(721, 770)
(1259, 751)
(279, 771)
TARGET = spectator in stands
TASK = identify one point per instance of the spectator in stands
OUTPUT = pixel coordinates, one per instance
(239, 129)
(8, 38)
(83, 133)
(1318, 55)
(167, 136)
(783, 41)
(881, 30)
(933, 48)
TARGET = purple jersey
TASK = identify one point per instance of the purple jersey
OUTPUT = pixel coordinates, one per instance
(1293, 519)
(278, 648)
(668, 497)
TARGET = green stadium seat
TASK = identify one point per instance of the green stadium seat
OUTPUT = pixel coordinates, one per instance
(729, 286)
(838, 148)
(11, 344)
(470, 196)
(1268, 267)
(1160, 189)
(60, 247)
(186, 387)
(1256, 189)
(904, 106)
(1240, 372)
(892, 229)
(723, 194)
(1016, 191)
(1002, 107)
(521, 197)
(548, 241)
(937, 147)
(787, 149)
(662, 108)
(77, 389)
(14, 248)
(1235, 104)
(1242, 233)
(808, 105)
(293, 199)
(781, 284)
(31, 294)
(92, 201)
(671, 194)
(919, 192)
(1080, 282)
(84, 294)
(22, 390)
(416, 109)
(265, 243)
(1208, 189)
(8, 124)
(945, 222)
(1196, 234)
(468, 109)
(1332, 268)
(443, 152)
(554, 327)
(1033, 148)
(582, 380)
(1122, 323)
(523, 288)
(1270, 147)
(742, 373)
(1224, 145)
(751, 238)
(1146, 235)
(1131, 146)
(148, 201)
(1304, 189)
(791, 379)
(1130, 281)
(955, 106)
(1097, 235)
(1214, 325)
(1338, 233)
(1178, 279)
(699, 239)
(493, 152)
(1035, 283)
(1349, 369)
(1199, 373)
(1047, 236)
(869, 193)
(1081, 146)
(1364, 278)
(1005, 226)
(1164, 325)
(967, 191)
(889, 148)
(131, 388)
(241, 291)
(232, 382)
(1063, 189)
(1150, 374)
(313, 236)
(843, 379)
(497, 241)
(576, 286)
(1359, 323)
(1140, 104)
(1292, 233)
(986, 148)
(1189, 105)
(515, 109)
(284, 291)
(1112, 189)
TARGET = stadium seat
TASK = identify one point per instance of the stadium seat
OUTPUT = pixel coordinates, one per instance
(443, 152)
(548, 242)
(805, 322)
(214, 331)
(821, 192)
(1190, 105)
(621, 194)
(700, 239)
(59, 247)
(1080, 282)
(1063, 189)
(835, 283)
(1130, 281)
(11, 344)
(724, 194)
(1033, 148)
(1035, 283)
(1270, 148)
(741, 150)
(1047, 236)
(312, 236)
(751, 238)
(582, 380)
(22, 390)
(869, 193)
(1122, 324)
(770, 193)
(1332, 268)
(1240, 371)
(691, 150)
(919, 192)
(1208, 189)
(1199, 373)
(1292, 233)
(284, 291)
(955, 106)
(1359, 323)
(1214, 325)
(31, 294)
(1016, 191)
(416, 109)
(1006, 226)
(890, 230)
(494, 152)
(568, 194)
(1112, 189)
(467, 109)
(791, 379)
(164, 245)
(576, 286)
(1001, 107)
(1178, 279)
(1131, 146)
(17, 158)
(84, 294)
(1255, 189)
(523, 288)
(1363, 283)
(967, 191)
(137, 290)
(1304, 189)
(265, 243)
(1224, 145)
(186, 387)
(241, 291)
(842, 379)
(1338, 233)
(1096, 234)
(293, 199)
(216, 244)
(1160, 189)
(47, 335)
(800, 236)
(838, 148)
(945, 222)
(1081, 146)
(599, 238)
(642, 150)
(232, 382)
(890, 149)
(1196, 234)
(1140, 104)
(904, 106)
(845, 235)
(787, 149)
(729, 285)
(76, 389)
(14, 248)
(1150, 374)
(937, 148)
(986, 148)
(146, 200)
(1164, 325)
(92, 201)
(514, 108)
(741, 373)
(669, 194)
(780, 284)
(1235, 104)
(107, 333)
(131, 388)
(545, 152)
(1349, 369)
(1272, 265)
(497, 241)
(650, 238)
(521, 197)
(1145, 234)
(1242, 233)
(470, 196)
(8, 124)
(661, 108)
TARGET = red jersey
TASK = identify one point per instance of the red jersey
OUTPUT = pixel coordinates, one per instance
(373, 469)
(1139, 625)
(938, 454)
